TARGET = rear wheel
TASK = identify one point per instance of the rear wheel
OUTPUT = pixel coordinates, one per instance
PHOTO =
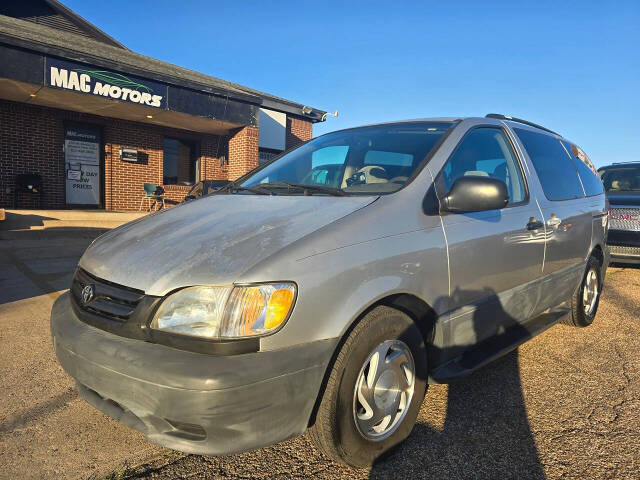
(584, 303)
(374, 391)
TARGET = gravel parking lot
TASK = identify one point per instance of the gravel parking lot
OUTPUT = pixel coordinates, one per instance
(565, 405)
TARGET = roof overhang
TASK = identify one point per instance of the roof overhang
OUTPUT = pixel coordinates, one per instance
(96, 105)
(43, 42)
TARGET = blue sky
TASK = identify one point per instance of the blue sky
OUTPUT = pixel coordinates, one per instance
(571, 66)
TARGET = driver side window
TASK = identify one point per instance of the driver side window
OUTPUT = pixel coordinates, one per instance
(485, 152)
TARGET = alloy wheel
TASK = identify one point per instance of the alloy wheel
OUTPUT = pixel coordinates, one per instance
(590, 292)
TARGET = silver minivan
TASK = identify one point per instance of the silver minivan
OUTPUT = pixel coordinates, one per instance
(326, 289)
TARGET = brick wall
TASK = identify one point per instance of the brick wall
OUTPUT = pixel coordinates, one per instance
(298, 131)
(31, 141)
(32, 137)
(123, 181)
(243, 151)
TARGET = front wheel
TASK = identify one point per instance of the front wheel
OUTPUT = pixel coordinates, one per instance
(374, 390)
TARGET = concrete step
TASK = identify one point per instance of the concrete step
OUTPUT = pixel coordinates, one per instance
(52, 233)
(88, 223)
(54, 219)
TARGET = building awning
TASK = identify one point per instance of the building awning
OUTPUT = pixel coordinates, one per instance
(97, 105)
(73, 72)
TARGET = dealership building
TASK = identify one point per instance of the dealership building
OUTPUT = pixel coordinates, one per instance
(85, 122)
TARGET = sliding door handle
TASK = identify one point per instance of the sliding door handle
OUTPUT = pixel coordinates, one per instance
(554, 220)
(534, 224)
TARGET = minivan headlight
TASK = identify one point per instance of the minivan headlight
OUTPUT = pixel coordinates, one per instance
(226, 312)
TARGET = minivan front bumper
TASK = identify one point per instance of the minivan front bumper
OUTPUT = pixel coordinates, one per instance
(188, 401)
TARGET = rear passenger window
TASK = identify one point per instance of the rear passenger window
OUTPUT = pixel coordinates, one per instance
(485, 152)
(588, 174)
(555, 169)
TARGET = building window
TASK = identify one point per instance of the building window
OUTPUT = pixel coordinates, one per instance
(267, 154)
(179, 162)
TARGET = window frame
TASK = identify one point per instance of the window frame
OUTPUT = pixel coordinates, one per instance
(438, 183)
(558, 139)
(194, 145)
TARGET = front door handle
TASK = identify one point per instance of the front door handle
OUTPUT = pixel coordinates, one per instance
(554, 220)
(534, 224)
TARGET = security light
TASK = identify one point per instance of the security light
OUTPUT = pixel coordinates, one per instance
(324, 115)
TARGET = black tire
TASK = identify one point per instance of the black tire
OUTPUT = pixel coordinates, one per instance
(335, 431)
(579, 317)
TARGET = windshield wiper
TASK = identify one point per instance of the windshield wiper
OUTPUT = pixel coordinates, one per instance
(231, 187)
(307, 188)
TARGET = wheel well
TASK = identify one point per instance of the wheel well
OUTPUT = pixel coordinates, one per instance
(416, 308)
(597, 252)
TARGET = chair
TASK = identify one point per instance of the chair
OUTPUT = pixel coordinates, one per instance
(150, 194)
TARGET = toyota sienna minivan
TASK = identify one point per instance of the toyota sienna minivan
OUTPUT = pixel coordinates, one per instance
(326, 289)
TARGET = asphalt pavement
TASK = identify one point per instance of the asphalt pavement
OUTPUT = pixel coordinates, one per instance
(564, 405)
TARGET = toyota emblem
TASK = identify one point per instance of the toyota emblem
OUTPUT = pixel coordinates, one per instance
(87, 294)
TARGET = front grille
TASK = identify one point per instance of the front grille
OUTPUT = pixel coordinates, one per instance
(109, 300)
(620, 250)
(127, 312)
(624, 219)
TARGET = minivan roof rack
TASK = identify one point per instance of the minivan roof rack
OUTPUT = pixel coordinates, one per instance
(499, 116)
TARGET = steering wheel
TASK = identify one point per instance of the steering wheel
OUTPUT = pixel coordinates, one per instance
(368, 174)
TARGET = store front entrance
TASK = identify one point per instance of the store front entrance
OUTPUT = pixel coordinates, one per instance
(83, 170)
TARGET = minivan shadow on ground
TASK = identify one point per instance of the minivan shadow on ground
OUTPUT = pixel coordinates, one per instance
(485, 433)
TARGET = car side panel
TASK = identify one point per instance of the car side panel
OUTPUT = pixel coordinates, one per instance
(568, 233)
(491, 254)
(387, 248)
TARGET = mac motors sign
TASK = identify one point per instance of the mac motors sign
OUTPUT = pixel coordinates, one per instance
(104, 83)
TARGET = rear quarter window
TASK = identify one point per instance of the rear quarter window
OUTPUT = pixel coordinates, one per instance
(554, 167)
(586, 170)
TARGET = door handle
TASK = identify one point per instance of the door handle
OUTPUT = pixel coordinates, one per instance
(554, 220)
(534, 224)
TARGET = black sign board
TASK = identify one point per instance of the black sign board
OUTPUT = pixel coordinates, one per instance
(97, 81)
(128, 155)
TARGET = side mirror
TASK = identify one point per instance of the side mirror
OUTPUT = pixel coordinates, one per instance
(189, 197)
(476, 194)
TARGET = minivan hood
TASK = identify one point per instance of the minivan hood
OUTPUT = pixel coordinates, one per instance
(212, 240)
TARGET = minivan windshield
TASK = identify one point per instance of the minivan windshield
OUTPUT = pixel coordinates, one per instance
(368, 160)
(623, 179)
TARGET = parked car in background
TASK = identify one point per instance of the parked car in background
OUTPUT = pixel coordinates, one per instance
(622, 184)
(204, 187)
(327, 288)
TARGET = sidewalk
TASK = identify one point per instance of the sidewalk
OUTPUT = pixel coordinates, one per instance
(46, 430)
(20, 224)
